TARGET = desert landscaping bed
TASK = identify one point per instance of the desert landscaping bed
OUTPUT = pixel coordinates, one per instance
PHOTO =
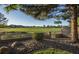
(32, 46)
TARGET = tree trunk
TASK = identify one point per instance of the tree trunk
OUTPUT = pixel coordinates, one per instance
(74, 31)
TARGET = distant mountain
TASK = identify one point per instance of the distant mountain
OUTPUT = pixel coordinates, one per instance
(14, 26)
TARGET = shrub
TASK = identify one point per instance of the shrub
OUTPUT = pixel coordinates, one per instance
(34, 45)
(38, 36)
(4, 50)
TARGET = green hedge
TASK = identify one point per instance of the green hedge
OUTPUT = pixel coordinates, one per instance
(38, 36)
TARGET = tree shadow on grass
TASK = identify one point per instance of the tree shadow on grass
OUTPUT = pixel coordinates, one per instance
(62, 46)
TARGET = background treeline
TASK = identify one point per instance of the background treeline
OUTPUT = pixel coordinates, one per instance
(21, 26)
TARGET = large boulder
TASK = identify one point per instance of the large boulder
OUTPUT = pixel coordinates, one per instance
(19, 47)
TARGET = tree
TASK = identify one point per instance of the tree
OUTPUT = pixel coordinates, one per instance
(3, 20)
(74, 29)
(58, 22)
(42, 12)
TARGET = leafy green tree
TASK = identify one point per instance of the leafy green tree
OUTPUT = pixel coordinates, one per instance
(58, 23)
(3, 20)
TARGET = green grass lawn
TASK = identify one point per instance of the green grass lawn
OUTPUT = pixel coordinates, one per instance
(51, 51)
(30, 29)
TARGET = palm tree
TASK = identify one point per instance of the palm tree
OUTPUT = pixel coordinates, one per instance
(42, 12)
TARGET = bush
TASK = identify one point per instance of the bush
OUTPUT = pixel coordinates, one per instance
(34, 45)
(38, 36)
(4, 50)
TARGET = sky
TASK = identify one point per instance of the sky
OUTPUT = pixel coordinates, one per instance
(17, 17)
